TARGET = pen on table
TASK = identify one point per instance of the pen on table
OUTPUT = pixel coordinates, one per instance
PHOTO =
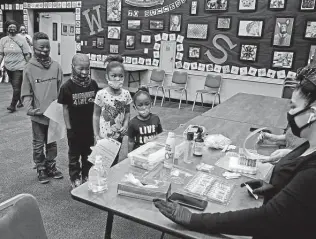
(251, 191)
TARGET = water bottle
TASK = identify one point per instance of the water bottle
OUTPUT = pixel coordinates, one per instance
(97, 181)
(169, 150)
(188, 148)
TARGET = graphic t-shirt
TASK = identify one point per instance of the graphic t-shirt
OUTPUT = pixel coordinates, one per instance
(143, 131)
(80, 101)
(113, 112)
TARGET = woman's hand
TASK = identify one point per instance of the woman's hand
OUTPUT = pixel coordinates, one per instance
(276, 156)
(259, 187)
(174, 211)
(263, 137)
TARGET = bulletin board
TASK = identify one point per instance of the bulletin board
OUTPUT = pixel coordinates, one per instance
(270, 38)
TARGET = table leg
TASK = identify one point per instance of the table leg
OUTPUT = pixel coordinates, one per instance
(162, 235)
(109, 224)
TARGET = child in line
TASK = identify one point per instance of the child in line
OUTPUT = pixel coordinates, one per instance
(77, 97)
(112, 104)
(145, 125)
(42, 78)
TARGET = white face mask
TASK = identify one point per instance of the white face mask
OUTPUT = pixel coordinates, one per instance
(144, 113)
(116, 85)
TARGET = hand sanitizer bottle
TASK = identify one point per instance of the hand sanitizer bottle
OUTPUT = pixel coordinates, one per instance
(97, 181)
(169, 150)
(188, 148)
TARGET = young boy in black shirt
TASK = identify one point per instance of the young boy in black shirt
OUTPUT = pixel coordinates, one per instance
(77, 96)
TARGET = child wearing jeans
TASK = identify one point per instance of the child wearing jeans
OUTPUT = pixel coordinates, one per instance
(42, 78)
(145, 125)
(77, 97)
(112, 104)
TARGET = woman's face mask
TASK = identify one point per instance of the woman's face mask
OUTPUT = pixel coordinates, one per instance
(12, 29)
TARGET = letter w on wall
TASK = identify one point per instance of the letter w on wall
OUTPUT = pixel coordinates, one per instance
(94, 19)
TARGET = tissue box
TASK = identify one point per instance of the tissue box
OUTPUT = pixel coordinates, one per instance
(148, 194)
(147, 156)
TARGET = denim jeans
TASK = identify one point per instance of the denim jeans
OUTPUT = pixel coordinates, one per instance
(43, 160)
(15, 78)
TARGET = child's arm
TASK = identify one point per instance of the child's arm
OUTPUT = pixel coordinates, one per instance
(159, 129)
(131, 144)
(27, 96)
(131, 136)
(96, 121)
(66, 116)
(126, 119)
(60, 76)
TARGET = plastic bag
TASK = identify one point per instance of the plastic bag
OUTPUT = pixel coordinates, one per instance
(217, 141)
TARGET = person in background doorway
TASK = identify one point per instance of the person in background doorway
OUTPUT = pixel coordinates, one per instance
(15, 52)
(77, 97)
(42, 78)
(23, 33)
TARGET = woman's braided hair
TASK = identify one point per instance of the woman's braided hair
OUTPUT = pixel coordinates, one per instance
(307, 86)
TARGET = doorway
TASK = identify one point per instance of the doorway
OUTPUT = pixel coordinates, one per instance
(167, 55)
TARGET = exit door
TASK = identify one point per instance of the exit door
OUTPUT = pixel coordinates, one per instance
(51, 24)
(167, 55)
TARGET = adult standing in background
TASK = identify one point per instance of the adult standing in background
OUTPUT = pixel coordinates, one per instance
(15, 52)
(23, 33)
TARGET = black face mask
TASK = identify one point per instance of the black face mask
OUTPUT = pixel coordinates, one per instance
(291, 120)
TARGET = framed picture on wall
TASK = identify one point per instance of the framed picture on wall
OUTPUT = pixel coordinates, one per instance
(250, 28)
(277, 5)
(214, 5)
(194, 52)
(175, 22)
(311, 54)
(64, 29)
(100, 42)
(223, 23)
(307, 5)
(249, 52)
(194, 7)
(114, 49)
(283, 31)
(283, 59)
(114, 32)
(197, 31)
(156, 24)
(247, 5)
(113, 10)
(310, 29)
(145, 39)
(71, 30)
(130, 42)
(133, 24)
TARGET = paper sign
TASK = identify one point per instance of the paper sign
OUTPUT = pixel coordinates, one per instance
(243, 71)
(141, 61)
(271, 73)
(172, 37)
(235, 70)
(186, 65)
(252, 71)
(180, 47)
(201, 67)
(165, 36)
(209, 67)
(194, 66)
(179, 64)
(128, 60)
(134, 61)
(179, 56)
(262, 72)
(291, 74)
(281, 74)
(217, 68)
(148, 62)
(107, 148)
(124, 59)
(157, 46)
(180, 39)
(226, 69)
(158, 37)
(155, 62)
(156, 54)
(145, 50)
(99, 57)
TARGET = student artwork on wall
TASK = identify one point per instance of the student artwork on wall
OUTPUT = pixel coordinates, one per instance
(215, 5)
(64, 29)
(283, 31)
(307, 5)
(250, 28)
(130, 42)
(146, 39)
(71, 30)
(310, 30)
(133, 24)
(114, 49)
(194, 7)
(223, 23)
(175, 23)
(311, 54)
(249, 52)
(114, 32)
(100, 42)
(247, 5)
(277, 4)
(283, 59)
(194, 52)
(197, 31)
(114, 10)
(156, 24)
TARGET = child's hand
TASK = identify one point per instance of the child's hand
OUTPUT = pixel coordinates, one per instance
(123, 130)
(97, 138)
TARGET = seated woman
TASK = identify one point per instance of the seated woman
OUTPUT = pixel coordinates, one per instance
(290, 198)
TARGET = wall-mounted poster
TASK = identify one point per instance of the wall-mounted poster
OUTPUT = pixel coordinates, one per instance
(156, 24)
(223, 23)
(146, 39)
(71, 30)
(283, 59)
(310, 30)
(100, 42)
(247, 5)
(64, 29)
(216, 5)
(114, 49)
(114, 32)
(197, 31)
(133, 24)
(194, 7)
(114, 10)
(130, 42)
(248, 52)
(194, 52)
(175, 23)
(250, 28)
(283, 31)
(311, 54)
(147, 3)
(307, 5)
(277, 4)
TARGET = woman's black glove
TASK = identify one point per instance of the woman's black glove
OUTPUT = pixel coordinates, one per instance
(70, 134)
(259, 187)
(34, 112)
(174, 211)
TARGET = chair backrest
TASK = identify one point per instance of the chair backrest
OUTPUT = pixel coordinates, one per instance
(213, 82)
(180, 78)
(157, 75)
(23, 219)
(288, 91)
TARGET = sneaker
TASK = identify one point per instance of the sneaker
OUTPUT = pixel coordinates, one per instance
(75, 183)
(11, 109)
(54, 172)
(42, 177)
(20, 105)
(84, 179)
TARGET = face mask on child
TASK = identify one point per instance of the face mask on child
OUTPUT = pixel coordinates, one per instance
(116, 85)
(145, 112)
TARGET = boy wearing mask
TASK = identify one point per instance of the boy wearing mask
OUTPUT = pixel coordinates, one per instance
(42, 78)
(77, 96)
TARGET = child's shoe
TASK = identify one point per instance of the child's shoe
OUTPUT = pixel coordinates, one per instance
(42, 176)
(54, 172)
(75, 183)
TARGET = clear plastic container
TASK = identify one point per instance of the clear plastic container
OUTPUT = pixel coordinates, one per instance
(97, 181)
(169, 150)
